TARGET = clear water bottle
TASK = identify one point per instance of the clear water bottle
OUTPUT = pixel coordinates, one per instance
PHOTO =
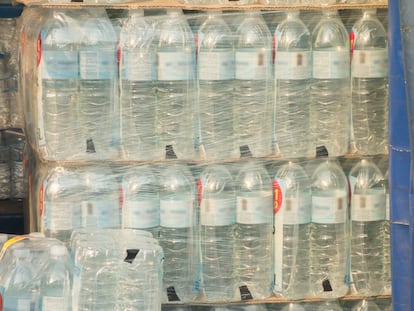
(98, 100)
(253, 92)
(330, 87)
(141, 199)
(215, 63)
(293, 65)
(55, 281)
(254, 231)
(177, 232)
(137, 98)
(329, 234)
(330, 305)
(293, 217)
(61, 209)
(100, 199)
(387, 239)
(176, 83)
(19, 289)
(57, 115)
(4, 172)
(366, 305)
(293, 307)
(217, 195)
(369, 73)
(368, 208)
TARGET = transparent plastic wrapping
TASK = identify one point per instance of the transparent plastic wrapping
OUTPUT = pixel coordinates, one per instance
(224, 135)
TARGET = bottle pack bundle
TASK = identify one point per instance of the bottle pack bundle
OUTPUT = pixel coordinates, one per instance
(201, 130)
(102, 269)
(12, 181)
(206, 90)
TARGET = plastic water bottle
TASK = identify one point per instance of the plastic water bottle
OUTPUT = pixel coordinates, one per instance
(55, 282)
(61, 210)
(330, 87)
(57, 119)
(254, 231)
(368, 208)
(366, 305)
(330, 305)
(293, 307)
(19, 291)
(98, 85)
(293, 65)
(387, 239)
(215, 63)
(329, 231)
(137, 98)
(293, 217)
(217, 195)
(100, 200)
(177, 233)
(369, 72)
(141, 199)
(176, 84)
(253, 92)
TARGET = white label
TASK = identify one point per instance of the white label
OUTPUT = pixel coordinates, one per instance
(293, 65)
(61, 215)
(297, 211)
(23, 304)
(218, 212)
(331, 64)
(370, 63)
(175, 66)
(252, 65)
(59, 65)
(255, 210)
(369, 207)
(176, 213)
(141, 214)
(99, 64)
(329, 210)
(100, 214)
(216, 65)
(138, 66)
(53, 303)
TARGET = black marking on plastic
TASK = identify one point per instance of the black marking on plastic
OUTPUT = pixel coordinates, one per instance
(245, 293)
(90, 146)
(171, 294)
(245, 151)
(131, 254)
(326, 286)
(321, 152)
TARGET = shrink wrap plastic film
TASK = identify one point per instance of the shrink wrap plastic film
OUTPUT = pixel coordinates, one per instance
(169, 122)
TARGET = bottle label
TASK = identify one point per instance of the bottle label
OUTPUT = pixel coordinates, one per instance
(50, 303)
(216, 65)
(255, 210)
(252, 65)
(59, 65)
(61, 215)
(293, 65)
(370, 207)
(100, 214)
(370, 63)
(22, 304)
(174, 66)
(96, 65)
(138, 66)
(176, 213)
(329, 210)
(217, 212)
(141, 214)
(331, 64)
(297, 210)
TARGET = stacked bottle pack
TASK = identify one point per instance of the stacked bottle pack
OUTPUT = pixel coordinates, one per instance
(205, 92)
(102, 269)
(203, 130)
